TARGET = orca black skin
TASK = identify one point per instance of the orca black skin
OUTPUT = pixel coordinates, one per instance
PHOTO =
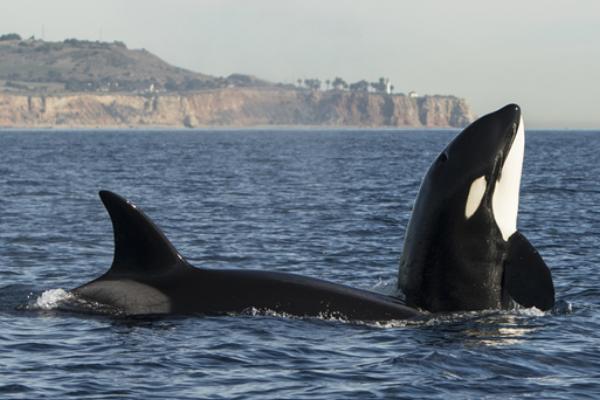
(149, 276)
(462, 250)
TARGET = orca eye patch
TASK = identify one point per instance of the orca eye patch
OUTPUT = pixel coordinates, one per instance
(476, 193)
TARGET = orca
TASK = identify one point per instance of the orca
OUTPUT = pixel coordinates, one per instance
(462, 250)
(148, 276)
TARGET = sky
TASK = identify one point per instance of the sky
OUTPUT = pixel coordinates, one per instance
(543, 55)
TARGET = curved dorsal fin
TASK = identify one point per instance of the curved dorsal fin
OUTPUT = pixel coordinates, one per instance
(140, 245)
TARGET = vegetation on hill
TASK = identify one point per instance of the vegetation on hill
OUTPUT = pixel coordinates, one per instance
(74, 65)
(82, 65)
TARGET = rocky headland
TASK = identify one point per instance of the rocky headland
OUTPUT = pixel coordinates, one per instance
(235, 107)
(85, 84)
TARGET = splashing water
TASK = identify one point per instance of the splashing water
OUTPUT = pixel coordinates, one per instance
(51, 299)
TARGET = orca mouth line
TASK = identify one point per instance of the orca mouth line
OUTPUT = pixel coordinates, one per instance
(500, 161)
(506, 150)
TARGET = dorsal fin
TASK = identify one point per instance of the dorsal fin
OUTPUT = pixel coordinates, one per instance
(140, 245)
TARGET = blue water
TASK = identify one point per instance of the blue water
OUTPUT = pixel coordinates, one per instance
(331, 204)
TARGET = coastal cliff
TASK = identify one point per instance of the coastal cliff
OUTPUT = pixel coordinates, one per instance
(232, 107)
(88, 84)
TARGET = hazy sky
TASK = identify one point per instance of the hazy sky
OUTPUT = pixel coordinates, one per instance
(544, 55)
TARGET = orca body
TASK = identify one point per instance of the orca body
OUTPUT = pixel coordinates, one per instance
(149, 276)
(462, 250)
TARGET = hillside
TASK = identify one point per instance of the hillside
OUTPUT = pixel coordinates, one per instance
(79, 65)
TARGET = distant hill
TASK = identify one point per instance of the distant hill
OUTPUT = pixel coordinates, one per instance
(80, 65)
(80, 83)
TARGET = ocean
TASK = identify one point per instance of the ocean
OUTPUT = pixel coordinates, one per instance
(332, 204)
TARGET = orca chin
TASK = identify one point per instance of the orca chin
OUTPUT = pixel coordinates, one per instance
(462, 249)
(149, 276)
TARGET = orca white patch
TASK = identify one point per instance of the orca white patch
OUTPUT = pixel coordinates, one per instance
(127, 295)
(505, 200)
(476, 193)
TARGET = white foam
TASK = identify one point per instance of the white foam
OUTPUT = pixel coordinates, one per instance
(51, 299)
(530, 312)
(330, 317)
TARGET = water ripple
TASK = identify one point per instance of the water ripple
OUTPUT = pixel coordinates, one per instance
(328, 204)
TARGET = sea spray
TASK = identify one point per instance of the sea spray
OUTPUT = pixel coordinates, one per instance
(51, 299)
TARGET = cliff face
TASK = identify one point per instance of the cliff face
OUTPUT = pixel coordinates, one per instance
(235, 107)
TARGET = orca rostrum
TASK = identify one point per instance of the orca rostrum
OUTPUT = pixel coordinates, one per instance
(462, 249)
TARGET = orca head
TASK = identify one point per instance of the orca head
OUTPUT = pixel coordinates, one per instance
(462, 250)
(483, 165)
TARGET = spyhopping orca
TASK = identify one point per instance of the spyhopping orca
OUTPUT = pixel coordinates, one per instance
(148, 276)
(462, 249)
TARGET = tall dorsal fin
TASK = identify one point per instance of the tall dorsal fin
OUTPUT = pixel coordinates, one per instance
(140, 245)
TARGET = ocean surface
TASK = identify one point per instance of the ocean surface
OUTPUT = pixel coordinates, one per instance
(328, 204)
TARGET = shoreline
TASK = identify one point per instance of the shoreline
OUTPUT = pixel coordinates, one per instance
(233, 108)
(273, 128)
(227, 128)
